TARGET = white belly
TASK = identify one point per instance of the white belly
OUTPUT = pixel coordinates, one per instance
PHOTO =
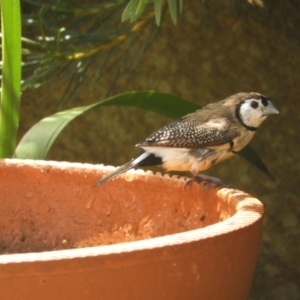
(183, 159)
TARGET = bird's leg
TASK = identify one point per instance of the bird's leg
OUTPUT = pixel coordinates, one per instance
(210, 181)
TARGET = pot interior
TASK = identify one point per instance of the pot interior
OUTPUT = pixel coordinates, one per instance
(50, 206)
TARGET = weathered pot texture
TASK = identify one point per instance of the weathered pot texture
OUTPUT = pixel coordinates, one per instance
(140, 236)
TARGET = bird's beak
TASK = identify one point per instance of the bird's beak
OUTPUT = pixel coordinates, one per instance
(270, 109)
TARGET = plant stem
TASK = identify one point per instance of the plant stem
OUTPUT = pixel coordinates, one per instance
(11, 76)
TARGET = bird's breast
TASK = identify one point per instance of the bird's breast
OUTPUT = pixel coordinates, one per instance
(242, 140)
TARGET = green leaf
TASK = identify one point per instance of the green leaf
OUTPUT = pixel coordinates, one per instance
(130, 10)
(133, 10)
(173, 9)
(11, 76)
(180, 6)
(249, 154)
(141, 7)
(134, 17)
(37, 141)
(157, 11)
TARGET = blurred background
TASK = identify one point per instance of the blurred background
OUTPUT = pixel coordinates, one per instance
(216, 49)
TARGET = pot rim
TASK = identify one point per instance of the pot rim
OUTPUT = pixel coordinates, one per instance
(249, 211)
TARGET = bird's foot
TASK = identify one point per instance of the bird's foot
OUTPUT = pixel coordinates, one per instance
(208, 181)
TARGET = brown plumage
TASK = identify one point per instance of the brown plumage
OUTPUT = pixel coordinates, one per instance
(204, 138)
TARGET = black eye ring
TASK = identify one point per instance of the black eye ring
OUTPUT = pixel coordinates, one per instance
(264, 100)
(254, 104)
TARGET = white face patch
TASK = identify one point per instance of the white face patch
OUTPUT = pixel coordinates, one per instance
(250, 114)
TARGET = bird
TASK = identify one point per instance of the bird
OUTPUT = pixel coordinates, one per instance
(204, 138)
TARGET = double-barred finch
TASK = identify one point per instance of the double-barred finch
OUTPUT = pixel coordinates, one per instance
(204, 138)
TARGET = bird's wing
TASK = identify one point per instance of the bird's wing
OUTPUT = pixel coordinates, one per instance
(188, 133)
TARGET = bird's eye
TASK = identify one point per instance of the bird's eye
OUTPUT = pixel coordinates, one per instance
(264, 101)
(254, 104)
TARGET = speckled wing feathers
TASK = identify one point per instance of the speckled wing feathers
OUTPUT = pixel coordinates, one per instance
(204, 128)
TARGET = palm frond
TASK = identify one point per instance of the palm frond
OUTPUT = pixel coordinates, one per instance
(63, 39)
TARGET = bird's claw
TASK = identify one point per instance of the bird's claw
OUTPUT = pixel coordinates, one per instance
(208, 182)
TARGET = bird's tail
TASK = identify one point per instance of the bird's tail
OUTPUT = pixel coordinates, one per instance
(115, 173)
(145, 159)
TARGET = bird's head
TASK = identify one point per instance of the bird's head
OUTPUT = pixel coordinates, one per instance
(254, 109)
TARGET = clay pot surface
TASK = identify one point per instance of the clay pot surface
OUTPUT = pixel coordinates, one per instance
(140, 236)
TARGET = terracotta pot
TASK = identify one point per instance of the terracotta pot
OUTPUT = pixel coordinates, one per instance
(140, 236)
